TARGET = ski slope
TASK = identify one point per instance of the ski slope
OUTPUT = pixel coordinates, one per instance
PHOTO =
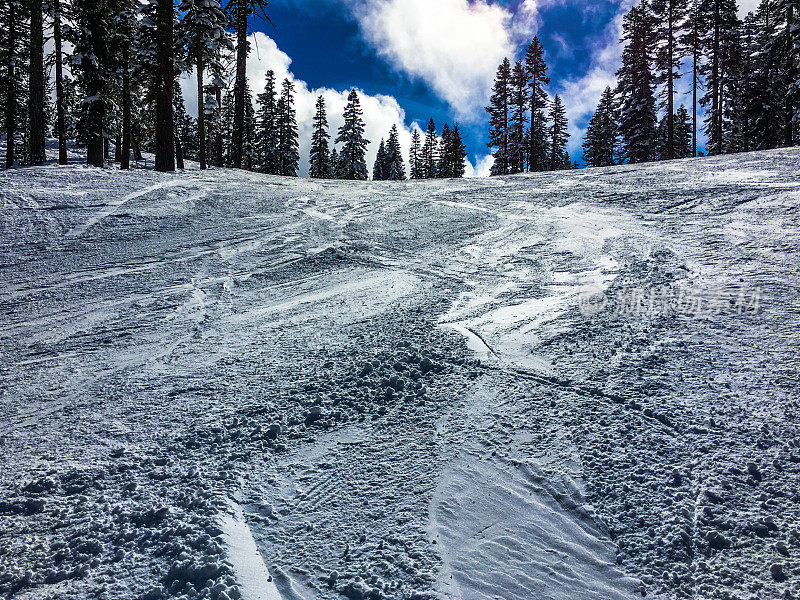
(579, 385)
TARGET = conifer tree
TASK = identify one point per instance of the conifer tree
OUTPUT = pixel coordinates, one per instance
(352, 163)
(203, 26)
(58, 61)
(558, 135)
(286, 123)
(320, 157)
(379, 168)
(721, 45)
(670, 19)
(498, 110)
(430, 154)
(600, 145)
(36, 91)
(333, 172)
(395, 169)
(415, 156)
(164, 83)
(683, 133)
(443, 163)
(637, 115)
(518, 143)
(267, 137)
(12, 80)
(537, 78)
(457, 153)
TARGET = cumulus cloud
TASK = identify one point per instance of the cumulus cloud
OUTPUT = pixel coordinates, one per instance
(380, 111)
(454, 46)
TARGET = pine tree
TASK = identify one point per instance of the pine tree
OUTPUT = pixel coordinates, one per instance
(286, 122)
(240, 10)
(250, 148)
(683, 133)
(266, 122)
(203, 26)
(13, 33)
(58, 60)
(558, 135)
(693, 42)
(165, 81)
(320, 157)
(430, 152)
(333, 172)
(379, 168)
(36, 92)
(443, 162)
(395, 169)
(457, 153)
(92, 66)
(517, 140)
(537, 78)
(720, 42)
(498, 110)
(600, 145)
(354, 147)
(670, 18)
(415, 156)
(637, 115)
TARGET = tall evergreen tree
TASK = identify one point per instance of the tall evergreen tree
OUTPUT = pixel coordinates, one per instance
(333, 172)
(558, 135)
(415, 163)
(286, 122)
(36, 100)
(266, 122)
(352, 163)
(670, 18)
(58, 60)
(430, 152)
(320, 157)
(165, 80)
(721, 44)
(395, 169)
(240, 11)
(683, 133)
(442, 163)
(203, 25)
(498, 110)
(380, 167)
(537, 79)
(453, 153)
(600, 145)
(13, 33)
(518, 143)
(637, 115)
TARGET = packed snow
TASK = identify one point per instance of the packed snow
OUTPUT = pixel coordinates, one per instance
(226, 385)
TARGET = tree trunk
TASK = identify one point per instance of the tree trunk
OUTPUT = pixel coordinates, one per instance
(36, 120)
(201, 115)
(118, 145)
(61, 129)
(716, 102)
(165, 125)
(694, 97)
(11, 89)
(788, 129)
(237, 137)
(670, 86)
(125, 159)
(218, 137)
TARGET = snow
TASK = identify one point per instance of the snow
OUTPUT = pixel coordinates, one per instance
(400, 384)
(254, 580)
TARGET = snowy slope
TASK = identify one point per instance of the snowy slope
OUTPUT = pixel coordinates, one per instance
(575, 385)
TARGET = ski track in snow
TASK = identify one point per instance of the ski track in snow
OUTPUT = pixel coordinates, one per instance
(396, 384)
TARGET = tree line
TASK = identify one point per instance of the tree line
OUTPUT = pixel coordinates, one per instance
(120, 90)
(745, 74)
(527, 130)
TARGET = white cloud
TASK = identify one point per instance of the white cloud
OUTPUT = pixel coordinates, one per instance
(380, 112)
(482, 167)
(454, 46)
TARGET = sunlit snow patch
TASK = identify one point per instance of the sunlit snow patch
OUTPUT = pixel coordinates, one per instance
(251, 573)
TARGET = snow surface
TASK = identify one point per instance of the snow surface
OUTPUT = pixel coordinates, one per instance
(400, 386)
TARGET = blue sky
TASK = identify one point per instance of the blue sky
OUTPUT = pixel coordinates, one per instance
(417, 59)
